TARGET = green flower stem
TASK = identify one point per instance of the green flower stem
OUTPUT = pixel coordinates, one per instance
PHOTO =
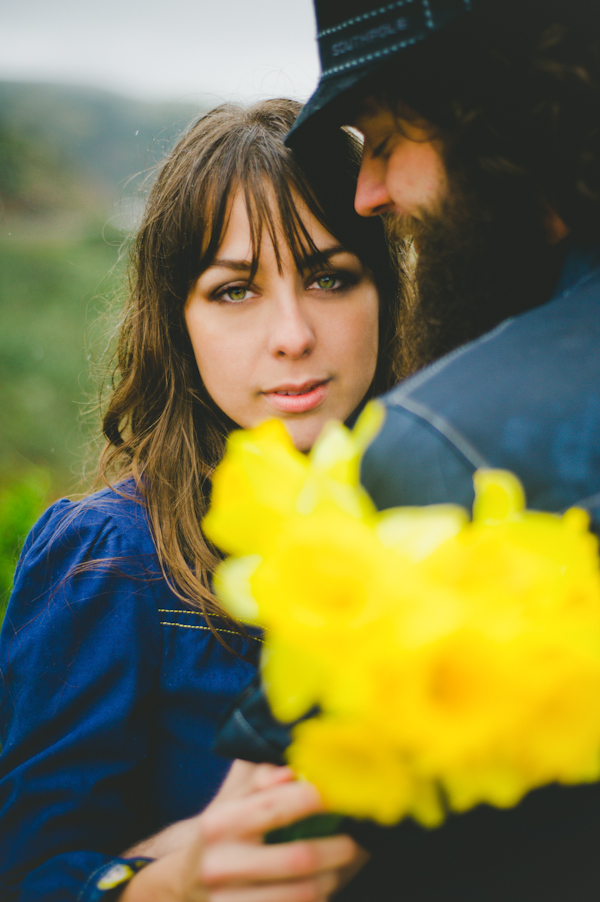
(310, 828)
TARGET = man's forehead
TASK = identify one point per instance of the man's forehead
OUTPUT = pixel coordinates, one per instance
(367, 111)
(375, 112)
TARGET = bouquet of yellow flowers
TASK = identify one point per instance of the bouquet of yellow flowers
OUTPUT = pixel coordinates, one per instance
(452, 659)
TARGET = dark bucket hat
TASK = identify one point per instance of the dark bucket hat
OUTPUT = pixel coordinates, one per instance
(356, 37)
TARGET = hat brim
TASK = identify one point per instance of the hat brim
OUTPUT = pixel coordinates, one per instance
(369, 40)
(326, 103)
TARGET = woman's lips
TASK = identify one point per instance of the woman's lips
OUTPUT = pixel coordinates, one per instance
(298, 399)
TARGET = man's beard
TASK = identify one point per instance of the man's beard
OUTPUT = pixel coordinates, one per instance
(483, 256)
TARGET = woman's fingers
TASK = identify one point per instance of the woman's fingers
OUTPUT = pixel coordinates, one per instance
(244, 777)
(172, 879)
(270, 775)
(248, 863)
(314, 889)
(256, 814)
(227, 860)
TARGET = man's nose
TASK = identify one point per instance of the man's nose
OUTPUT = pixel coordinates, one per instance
(291, 332)
(372, 197)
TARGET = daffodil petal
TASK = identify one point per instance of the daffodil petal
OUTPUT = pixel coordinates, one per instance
(232, 585)
(254, 487)
(368, 425)
(417, 531)
(499, 496)
(293, 680)
(338, 451)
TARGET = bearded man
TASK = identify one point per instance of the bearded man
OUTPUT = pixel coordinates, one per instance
(481, 127)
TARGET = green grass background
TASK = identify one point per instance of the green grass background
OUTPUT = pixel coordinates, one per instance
(58, 298)
(73, 163)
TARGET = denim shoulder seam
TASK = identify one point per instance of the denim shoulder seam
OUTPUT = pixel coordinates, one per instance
(413, 382)
(444, 428)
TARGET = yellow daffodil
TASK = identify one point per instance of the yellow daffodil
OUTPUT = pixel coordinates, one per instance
(232, 584)
(254, 487)
(263, 479)
(333, 476)
(449, 657)
(293, 678)
(355, 773)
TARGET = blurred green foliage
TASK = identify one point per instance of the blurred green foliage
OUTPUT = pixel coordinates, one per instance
(72, 162)
(54, 289)
(21, 503)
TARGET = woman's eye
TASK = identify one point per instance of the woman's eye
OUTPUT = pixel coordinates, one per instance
(234, 294)
(328, 282)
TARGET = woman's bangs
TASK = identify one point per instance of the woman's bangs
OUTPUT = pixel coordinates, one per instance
(211, 219)
(273, 201)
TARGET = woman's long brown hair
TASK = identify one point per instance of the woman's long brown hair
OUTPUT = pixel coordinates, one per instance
(164, 434)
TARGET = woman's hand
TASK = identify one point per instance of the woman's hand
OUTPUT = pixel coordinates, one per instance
(242, 779)
(220, 856)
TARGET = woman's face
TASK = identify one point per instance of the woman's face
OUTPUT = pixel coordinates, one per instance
(300, 346)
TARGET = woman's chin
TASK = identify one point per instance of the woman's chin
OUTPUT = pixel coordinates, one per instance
(304, 433)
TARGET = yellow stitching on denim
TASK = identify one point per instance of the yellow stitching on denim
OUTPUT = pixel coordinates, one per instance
(198, 614)
(197, 626)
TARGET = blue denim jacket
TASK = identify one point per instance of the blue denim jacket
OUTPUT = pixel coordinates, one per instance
(524, 397)
(111, 692)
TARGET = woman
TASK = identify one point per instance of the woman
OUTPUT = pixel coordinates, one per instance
(253, 296)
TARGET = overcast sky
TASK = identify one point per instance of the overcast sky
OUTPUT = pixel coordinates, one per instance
(174, 49)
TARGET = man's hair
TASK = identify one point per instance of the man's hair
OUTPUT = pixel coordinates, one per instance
(513, 90)
(162, 428)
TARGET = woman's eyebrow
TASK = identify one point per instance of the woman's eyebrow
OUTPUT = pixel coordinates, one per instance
(320, 254)
(237, 265)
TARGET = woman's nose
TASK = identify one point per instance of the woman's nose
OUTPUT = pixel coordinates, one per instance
(291, 334)
(372, 196)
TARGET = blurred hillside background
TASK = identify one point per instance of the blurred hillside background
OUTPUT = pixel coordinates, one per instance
(73, 163)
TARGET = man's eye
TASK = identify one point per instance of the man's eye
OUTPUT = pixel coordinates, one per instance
(382, 148)
(379, 149)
